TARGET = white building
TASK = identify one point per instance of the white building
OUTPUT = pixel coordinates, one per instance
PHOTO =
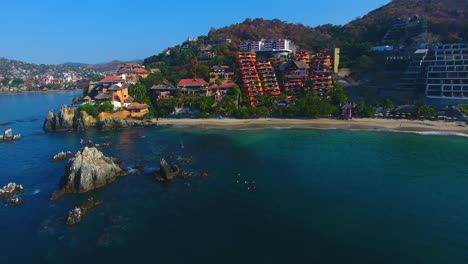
(447, 73)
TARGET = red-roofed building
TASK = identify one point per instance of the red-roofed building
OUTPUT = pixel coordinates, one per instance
(193, 86)
(112, 80)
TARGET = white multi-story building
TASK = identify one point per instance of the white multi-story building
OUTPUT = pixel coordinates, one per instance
(268, 45)
(447, 74)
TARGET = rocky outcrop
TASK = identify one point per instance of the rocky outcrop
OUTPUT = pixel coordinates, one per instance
(166, 172)
(89, 169)
(62, 156)
(9, 136)
(10, 190)
(83, 121)
(63, 121)
(109, 123)
(76, 215)
(69, 119)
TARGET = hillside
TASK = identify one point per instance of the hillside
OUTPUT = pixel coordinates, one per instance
(251, 29)
(108, 67)
(447, 18)
(21, 76)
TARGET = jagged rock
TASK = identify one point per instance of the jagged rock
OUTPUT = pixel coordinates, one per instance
(76, 215)
(167, 172)
(83, 121)
(109, 123)
(8, 135)
(10, 190)
(87, 170)
(61, 122)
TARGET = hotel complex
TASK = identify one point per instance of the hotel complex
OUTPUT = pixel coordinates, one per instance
(447, 74)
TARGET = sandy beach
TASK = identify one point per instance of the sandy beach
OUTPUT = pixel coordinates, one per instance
(325, 123)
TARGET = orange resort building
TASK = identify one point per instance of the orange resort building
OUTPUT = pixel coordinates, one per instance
(193, 87)
(114, 89)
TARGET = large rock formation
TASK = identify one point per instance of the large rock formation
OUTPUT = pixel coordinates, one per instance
(88, 170)
(68, 119)
(166, 172)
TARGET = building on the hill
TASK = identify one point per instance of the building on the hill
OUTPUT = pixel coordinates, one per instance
(277, 46)
(220, 91)
(321, 74)
(221, 72)
(251, 84)
(268, 78)
(447, 74)
(132, 72)
(295, 75)
(163, 91)
(405, 29)
(302, 55)
(193, 87)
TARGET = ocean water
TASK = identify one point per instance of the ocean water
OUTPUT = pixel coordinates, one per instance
(271, 195)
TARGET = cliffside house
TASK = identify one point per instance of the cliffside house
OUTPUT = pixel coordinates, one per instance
(137, 109)
(219, 91)
(163, 91)
(193, 87)
(114, 89)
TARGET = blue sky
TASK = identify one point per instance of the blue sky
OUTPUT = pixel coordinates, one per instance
(92, 31)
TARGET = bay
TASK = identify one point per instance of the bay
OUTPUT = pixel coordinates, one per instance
(271, 195)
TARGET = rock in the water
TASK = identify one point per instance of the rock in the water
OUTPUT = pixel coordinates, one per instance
(10, 190)
(8, 135)
(62, 156)
(87, 170)
(167, 172)
(15, 201)
(76, 215)
(68, 119)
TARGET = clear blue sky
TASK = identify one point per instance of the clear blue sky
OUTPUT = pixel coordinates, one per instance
(92, 31)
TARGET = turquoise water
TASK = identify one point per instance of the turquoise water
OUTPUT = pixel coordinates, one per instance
(271, 196)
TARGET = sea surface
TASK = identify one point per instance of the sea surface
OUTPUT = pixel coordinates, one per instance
(269, 196)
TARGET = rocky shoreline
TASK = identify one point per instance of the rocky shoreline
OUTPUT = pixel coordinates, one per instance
(68, 119)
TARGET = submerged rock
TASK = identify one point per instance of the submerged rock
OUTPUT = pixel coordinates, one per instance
(15, 201)
(89, 169)
(76, 215)
(167, 172)
(10, 190)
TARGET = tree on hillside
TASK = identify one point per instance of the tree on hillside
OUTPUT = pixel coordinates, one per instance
(140, 93)
(338, 97)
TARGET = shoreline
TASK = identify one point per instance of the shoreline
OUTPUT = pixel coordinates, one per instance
(38, 92)
(369, 124)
